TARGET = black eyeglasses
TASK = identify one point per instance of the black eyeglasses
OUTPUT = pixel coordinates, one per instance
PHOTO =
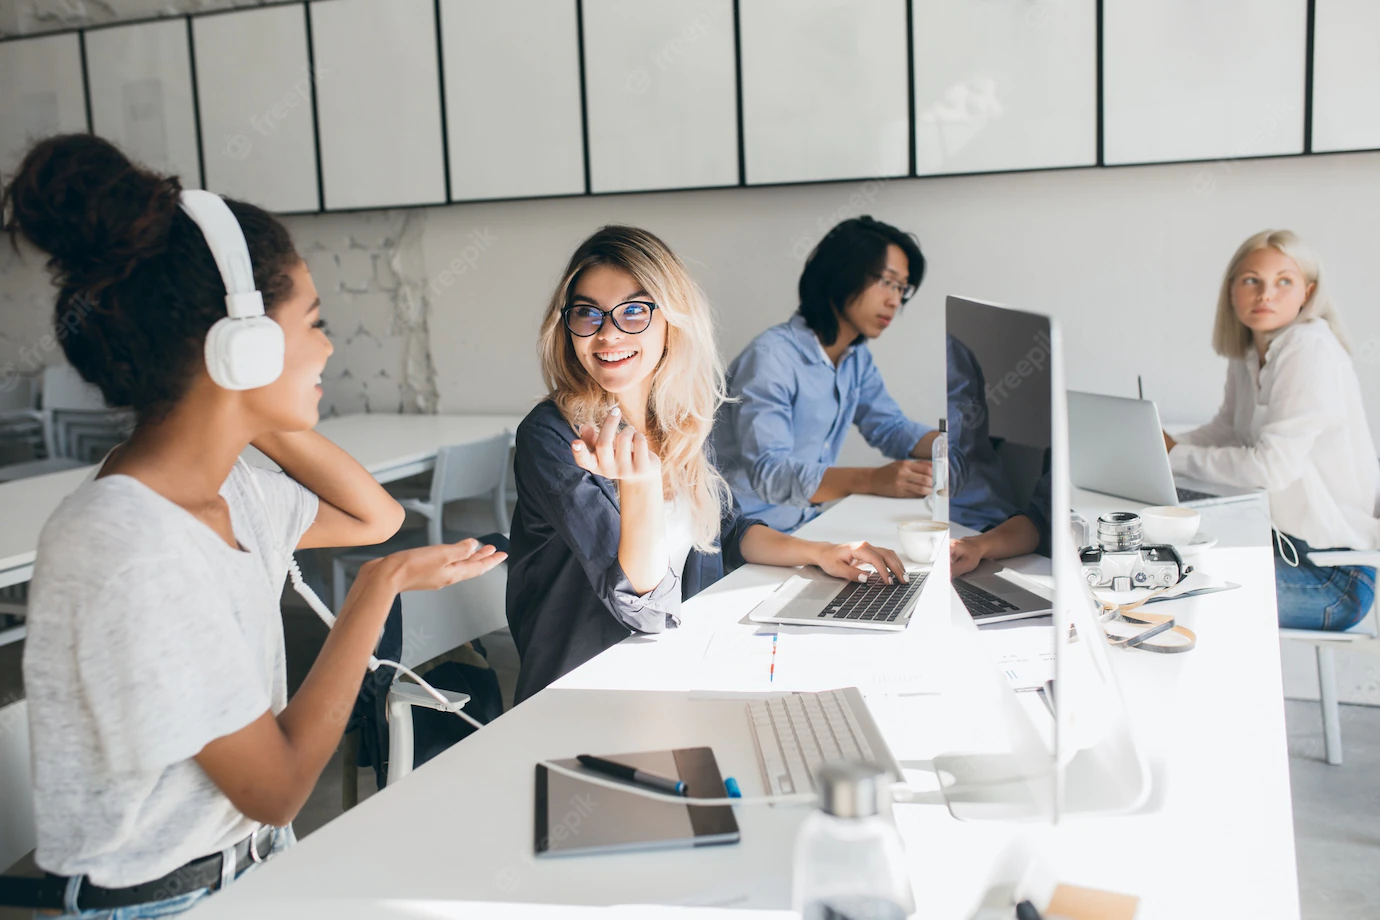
(586, 319)
(907, 291)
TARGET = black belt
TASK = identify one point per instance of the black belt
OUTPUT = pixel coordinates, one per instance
(50, 892)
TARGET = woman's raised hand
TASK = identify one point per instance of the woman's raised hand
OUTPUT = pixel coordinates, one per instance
(622, 455)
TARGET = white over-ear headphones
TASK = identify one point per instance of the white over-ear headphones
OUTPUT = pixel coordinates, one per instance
(244, 350)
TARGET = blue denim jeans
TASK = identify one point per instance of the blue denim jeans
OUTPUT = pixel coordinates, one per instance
(1314, 597)
(169, 907)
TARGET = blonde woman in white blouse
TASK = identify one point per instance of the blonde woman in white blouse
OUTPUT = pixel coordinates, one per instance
(1292, 423)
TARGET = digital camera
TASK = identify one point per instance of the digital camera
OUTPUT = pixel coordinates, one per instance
(1117, 559)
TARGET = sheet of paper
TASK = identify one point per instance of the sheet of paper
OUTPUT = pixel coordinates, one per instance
(788, 658)
(878, 663)
(739, 661)
(1025, 654)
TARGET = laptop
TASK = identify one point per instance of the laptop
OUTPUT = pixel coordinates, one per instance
(1116, 447)
(990, 598)
(812, 598)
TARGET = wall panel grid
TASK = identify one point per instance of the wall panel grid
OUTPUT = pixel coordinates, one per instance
(44, 94)
(140, 87)
(661, 84)
(358, 104)
(255, 95)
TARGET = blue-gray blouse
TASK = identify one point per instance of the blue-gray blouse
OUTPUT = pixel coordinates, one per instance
(568, 598)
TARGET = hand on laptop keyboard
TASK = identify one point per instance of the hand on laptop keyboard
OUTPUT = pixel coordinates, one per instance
(846, 561)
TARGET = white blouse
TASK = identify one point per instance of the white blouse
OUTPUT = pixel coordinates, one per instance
(1295, 427)
(680, 535)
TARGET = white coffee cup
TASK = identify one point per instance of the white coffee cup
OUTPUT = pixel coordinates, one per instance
(923, 541)
(1168, 524)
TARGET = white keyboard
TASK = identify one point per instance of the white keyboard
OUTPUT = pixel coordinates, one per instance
(797, 733)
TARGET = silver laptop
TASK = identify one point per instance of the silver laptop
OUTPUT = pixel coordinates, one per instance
(1116, 446)
(990, 598)
(812, 598)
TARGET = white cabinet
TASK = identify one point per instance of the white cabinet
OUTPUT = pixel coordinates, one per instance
(41, 93)
(1004, 84)
(1346, 75)
(254, 91)
(661, 91)
(378, 92)
(825, 92)
(1189, 80)
(140, 81)
(512, 77)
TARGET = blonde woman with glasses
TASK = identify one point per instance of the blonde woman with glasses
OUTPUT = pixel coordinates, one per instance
(621, 513)
(1292, 423)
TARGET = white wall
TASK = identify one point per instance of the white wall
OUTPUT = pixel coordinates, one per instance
(1128, 259)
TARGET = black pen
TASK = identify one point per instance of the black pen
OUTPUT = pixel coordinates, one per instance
(631, 774)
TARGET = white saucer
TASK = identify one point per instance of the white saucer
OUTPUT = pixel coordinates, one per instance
(1200, 542)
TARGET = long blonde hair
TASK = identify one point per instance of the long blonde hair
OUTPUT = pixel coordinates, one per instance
(1230, 337)
(687, 385)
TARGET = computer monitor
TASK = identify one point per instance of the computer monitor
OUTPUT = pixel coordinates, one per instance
(1007, 407)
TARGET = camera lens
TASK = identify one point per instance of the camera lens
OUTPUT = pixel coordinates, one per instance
(1119, 531)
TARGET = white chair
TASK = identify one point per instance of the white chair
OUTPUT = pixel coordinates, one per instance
(17, 833)
(462, 471)
(78, 429)
(1326, 643)
(426, 640)
(403, 696)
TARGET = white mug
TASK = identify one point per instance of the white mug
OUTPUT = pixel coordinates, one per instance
(923, 541)
(1169, 524)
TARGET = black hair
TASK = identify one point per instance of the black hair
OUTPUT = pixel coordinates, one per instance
(137, 286)
(846, 261)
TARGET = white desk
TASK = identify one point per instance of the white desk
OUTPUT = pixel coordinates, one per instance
(390, 447)
(1217, 843)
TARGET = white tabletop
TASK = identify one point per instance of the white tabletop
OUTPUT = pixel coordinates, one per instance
(388, 446)
(396, 446)
(1216, 841)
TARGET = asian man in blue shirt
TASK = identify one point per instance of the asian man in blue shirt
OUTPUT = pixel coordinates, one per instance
(799, 386)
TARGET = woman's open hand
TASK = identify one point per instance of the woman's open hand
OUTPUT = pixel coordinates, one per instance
(622, 455)
(429, 568)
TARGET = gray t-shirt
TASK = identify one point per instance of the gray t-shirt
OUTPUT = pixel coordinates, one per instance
(148, 638)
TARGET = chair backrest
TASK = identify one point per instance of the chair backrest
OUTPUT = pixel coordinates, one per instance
(470, 470)
(17, 833)
(87, 435)
(63, 388)
(18, 392)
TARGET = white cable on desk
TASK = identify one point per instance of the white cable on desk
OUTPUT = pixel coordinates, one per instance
(319, 607)
(795, 798)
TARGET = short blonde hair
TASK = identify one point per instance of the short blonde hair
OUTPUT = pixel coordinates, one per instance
(687, 385)
(1230, 337)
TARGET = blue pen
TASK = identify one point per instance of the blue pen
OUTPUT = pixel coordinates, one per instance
(771, 675)
(631, 774)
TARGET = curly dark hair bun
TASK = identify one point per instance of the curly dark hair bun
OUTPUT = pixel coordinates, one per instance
(81, 200)
(137, 287)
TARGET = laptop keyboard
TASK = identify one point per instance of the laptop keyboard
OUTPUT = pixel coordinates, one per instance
(873, 600)
(981, 603)
(798, 733)
(1191, 495)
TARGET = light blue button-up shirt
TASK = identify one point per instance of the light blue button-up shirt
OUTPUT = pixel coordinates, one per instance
(790, 413)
